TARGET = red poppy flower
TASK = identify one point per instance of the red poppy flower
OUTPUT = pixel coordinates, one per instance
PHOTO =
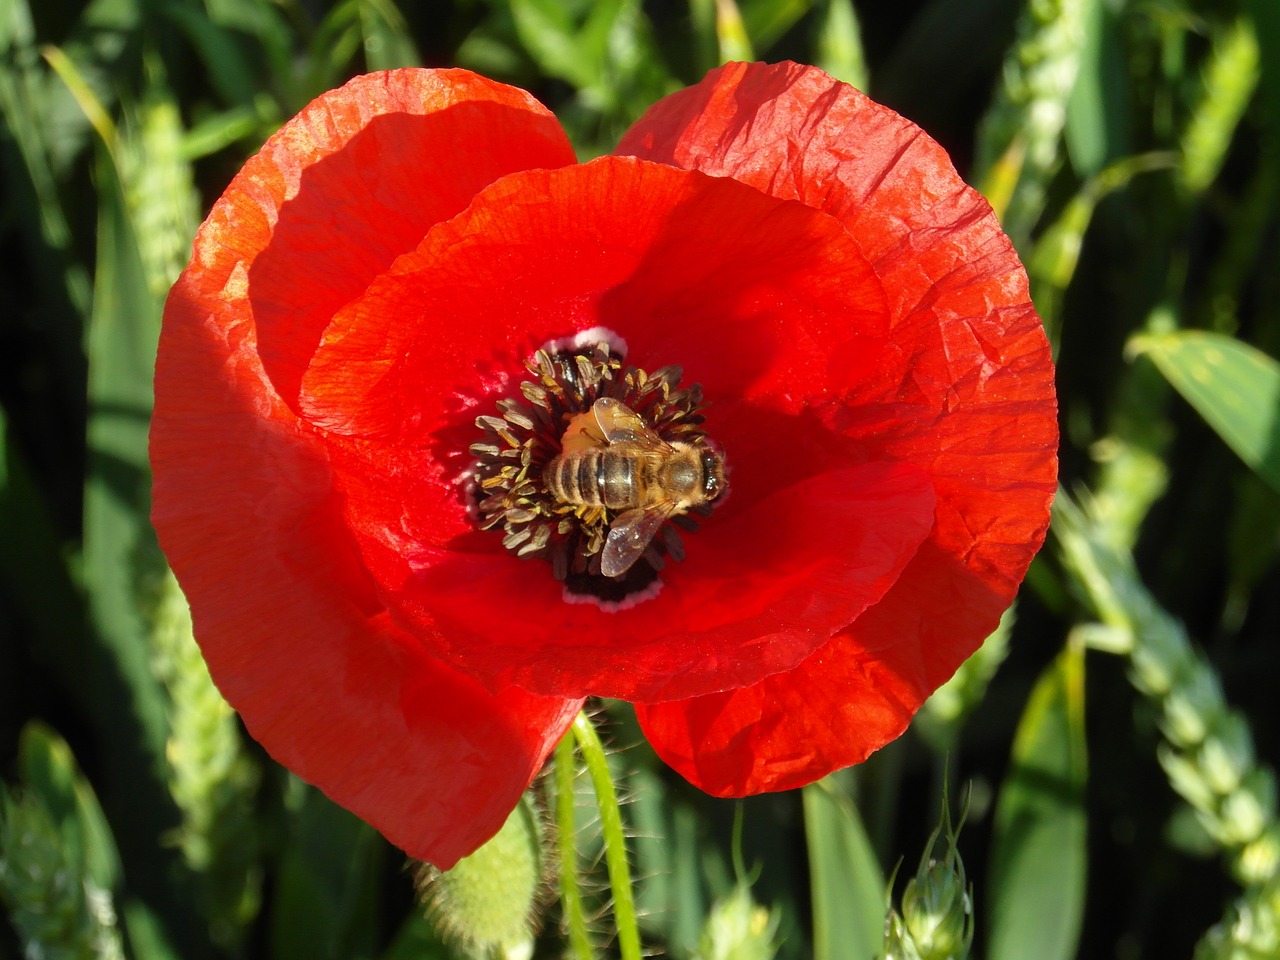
(387, 333)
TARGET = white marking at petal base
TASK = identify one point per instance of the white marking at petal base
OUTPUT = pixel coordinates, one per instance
(579, 342)
(616, 606)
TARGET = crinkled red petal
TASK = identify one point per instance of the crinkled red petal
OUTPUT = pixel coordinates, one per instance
(964, 391)
(355, 180)
(767, 304)
(833, 710)
(245, 508)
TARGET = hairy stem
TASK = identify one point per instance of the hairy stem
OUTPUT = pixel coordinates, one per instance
(615, 844)
(575, 917)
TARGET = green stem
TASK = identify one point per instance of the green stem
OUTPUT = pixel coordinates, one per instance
(575, 916)
(615, 843)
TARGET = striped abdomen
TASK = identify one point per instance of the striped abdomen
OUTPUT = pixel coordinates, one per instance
(612, 477)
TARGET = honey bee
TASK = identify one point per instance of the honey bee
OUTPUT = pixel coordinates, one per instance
(638, 473)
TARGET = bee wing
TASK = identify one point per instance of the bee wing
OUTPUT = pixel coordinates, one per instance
(629, 534)
(620, 424)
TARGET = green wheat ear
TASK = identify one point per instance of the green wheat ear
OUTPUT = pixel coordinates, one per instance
(1019, 139)
(1208, 748)
(212, 780)
(58, 861)
(490, 903)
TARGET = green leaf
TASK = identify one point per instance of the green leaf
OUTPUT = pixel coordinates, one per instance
(551, 36)
(224, 53)
(337, 40)
(1037, 883)
(1056, 253)
(839, 44)
(848, 886)
(417, 940)
(245, 46)
(148, 939)
(702, 26)
(1097, 130)
(733, 36)
(219, 130)
(28, 96)
(327, 891)
(951, 48)
(36, 576)
(387, 42)
(119, 548)
(766, 21)
(1234, 386)
(667, 848)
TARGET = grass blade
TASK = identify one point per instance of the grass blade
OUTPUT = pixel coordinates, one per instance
(1036, 906)
(1097, 130)
(849, 892)
(839, 44)
(327, 889)
(387, 43)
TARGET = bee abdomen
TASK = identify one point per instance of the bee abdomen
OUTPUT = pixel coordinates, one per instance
(593, 478)
(618, 482)
(562, 479)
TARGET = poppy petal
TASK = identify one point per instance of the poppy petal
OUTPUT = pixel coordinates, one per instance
(964, 391)
(355, 180)
(759, 299)
(833, 710)
(244, 506)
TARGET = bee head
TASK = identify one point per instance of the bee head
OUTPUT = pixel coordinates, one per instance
(713, 479)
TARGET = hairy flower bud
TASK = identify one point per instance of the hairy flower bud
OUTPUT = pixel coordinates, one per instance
(490, 901)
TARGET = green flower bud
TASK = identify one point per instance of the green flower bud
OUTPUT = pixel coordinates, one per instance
(936, 921)
(898, 944)
(490, 902)
(938, 911)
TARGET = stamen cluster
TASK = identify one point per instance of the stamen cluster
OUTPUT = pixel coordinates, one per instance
(517, 446)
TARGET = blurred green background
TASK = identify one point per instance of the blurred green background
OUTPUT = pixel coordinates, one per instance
(1118, 766)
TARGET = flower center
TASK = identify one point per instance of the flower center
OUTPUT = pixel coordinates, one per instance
(588, 468)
